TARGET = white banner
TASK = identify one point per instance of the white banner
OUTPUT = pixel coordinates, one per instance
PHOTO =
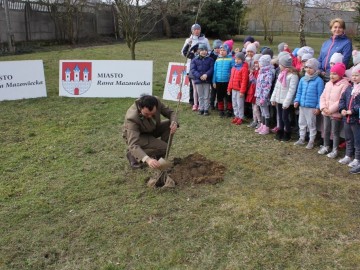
(105, 78)
(22, 79)
(176, 78)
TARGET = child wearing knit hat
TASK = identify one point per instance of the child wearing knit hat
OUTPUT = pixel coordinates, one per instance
(283, 95)
(222, 71)
(214, 55)
(336, 58)
(268, 51)
(190, 43)
(262, 92)
(329, 106)
(247, 41)
(303, 54)
(237, 87)
(307, 97)
(349, 106)
(250, 52)
(284, 47)
(356, 62)
(202, 68)
(230, 43)
(250, 96)
(304, 58)
(304, 50)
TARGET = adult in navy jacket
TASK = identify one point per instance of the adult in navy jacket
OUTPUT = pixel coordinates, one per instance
(339, 43)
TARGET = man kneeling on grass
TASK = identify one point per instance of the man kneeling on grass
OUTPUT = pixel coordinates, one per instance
(146, 135)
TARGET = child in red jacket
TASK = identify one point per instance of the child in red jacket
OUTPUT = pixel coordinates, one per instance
(237, 87)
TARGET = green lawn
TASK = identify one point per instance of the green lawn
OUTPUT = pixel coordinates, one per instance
(68, 199)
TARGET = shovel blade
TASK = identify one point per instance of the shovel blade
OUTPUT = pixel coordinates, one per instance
(164, 164)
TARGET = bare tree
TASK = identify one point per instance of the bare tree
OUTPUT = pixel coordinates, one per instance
(168, 8)
(306, 18)
(67, 16)
(268, 12)
(322, 3)
(137, 19)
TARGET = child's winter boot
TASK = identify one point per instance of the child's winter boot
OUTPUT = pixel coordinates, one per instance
(279, 135)
(286, 137)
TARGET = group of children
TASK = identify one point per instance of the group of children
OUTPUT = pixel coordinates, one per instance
(290, 84)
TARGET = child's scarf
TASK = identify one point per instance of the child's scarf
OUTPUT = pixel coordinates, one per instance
(238, 66)
(308, 77)
(282, 77)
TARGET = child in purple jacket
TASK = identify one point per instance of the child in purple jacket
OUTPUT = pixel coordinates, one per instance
(262, 92)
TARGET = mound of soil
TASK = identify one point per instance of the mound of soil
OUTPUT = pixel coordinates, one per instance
(196, 169)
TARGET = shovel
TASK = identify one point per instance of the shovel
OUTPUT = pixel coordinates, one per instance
(164, 179)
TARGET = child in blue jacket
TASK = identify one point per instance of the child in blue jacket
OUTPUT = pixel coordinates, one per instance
(221, 77)
(307, 97)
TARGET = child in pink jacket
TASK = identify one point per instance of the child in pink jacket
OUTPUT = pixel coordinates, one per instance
(329, 106)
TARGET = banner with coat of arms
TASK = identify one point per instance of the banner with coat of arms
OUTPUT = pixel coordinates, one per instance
(105, 78)
(176, 80)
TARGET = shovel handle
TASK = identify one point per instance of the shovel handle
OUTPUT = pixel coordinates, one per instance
(168, 146)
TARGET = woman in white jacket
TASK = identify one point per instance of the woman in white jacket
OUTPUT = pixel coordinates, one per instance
(284, 94)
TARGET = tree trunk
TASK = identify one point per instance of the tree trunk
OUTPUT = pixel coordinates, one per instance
(302, 39)
(132, 49)
(9, 34)
(167, 27)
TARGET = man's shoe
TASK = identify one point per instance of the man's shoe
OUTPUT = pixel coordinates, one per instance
(206, 113)
(200, 112)
(132, 161)
(355, 170)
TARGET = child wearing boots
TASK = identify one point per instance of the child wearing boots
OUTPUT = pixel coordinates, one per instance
(349, 106)
(237, 87)
(308, 98)
(262, 92)
(329, 106)
(202, 68)
(222, 70)
(214, 55)
(283, 95)
(250, 96)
